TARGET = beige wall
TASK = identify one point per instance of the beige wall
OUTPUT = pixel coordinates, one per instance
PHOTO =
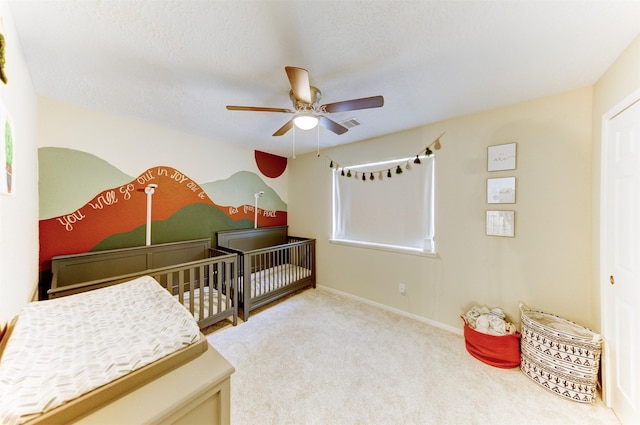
(134, 146)
(547, 264)
(18, 212)
(620, 80)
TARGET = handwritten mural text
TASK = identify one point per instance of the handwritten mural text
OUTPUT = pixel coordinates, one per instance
(70, 219)
(125, 192)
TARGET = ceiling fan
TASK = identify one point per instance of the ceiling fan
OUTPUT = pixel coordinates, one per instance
(305, 99)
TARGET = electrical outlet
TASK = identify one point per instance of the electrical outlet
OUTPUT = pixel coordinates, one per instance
(402, 288)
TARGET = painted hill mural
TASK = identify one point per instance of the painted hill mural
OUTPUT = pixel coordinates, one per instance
(68, 178)
(115, 217)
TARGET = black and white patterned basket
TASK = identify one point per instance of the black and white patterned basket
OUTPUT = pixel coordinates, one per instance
(561, 356)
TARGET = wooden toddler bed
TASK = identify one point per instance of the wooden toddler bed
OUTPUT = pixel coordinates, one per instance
(272, 264)
(66, 357)
(202, 279)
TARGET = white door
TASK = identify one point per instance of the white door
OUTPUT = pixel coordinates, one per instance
(620, 268)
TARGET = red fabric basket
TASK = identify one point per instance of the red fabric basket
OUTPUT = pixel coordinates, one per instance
(500, 351)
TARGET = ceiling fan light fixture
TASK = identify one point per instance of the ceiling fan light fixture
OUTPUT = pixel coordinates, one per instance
(307, 111)
(305, 121)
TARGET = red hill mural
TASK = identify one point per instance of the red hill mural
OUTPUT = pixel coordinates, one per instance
(124, 209)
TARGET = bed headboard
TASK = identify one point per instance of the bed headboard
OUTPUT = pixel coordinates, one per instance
(250, 239)
(88, 266)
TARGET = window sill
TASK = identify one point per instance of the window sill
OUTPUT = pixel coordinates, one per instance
(388, 248)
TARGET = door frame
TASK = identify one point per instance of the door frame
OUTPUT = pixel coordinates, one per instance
(602, 275)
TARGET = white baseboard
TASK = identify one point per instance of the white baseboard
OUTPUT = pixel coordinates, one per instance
(390, 309)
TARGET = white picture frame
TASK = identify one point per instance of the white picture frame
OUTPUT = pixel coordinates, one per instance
(501, 223)
(501, 157)
(501, 190)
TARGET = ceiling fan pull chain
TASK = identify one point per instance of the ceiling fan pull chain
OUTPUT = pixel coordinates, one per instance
(294, 142)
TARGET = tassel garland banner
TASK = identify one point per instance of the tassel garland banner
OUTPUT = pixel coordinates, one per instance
(427, 152)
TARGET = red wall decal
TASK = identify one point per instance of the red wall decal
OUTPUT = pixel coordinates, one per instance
(270, 165)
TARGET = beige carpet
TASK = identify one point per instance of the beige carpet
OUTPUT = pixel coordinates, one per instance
(318, 358)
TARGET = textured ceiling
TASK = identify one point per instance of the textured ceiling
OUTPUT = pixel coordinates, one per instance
(179, 63)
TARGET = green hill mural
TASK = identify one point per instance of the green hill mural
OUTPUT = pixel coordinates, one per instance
(88, 204)
(197, 221)
(68, 178)
(243, 183)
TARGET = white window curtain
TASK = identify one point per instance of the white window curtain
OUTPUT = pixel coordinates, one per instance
(394, 212)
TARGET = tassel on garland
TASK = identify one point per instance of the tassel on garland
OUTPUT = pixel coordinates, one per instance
(389, 173)
(364, 177)
(428, 152)
(371, 176)
(342, 173)
(349, 173)
(417, 160)
(398, 170)
(331, 164)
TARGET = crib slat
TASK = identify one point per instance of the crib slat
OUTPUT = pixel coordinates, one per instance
(279, 270)
(198, 277)
(224, 270)
(190, 282)
(211, 275)
(291, 272)
(225, 288)
(268, 268)
(273, 270)
(284, 269)
(272, 260)
(220, 277)
(260, 283)
(264, 266)
(180, 286)
(260, 259)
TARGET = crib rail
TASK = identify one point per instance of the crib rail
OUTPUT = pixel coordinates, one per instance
(207, 288)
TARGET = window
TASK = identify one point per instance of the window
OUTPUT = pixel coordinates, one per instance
(395, 213)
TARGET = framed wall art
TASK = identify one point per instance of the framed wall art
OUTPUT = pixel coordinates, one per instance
(501, 190)
(7, 150)
(501, 157)
(3, 43)
(501, 223)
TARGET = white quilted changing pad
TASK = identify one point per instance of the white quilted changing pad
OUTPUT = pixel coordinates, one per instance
(61, 349)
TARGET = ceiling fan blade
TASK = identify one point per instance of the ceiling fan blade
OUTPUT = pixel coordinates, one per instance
(257, 109)
(332, 125)
(300, 86)
(282, 130)
(354, 104)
